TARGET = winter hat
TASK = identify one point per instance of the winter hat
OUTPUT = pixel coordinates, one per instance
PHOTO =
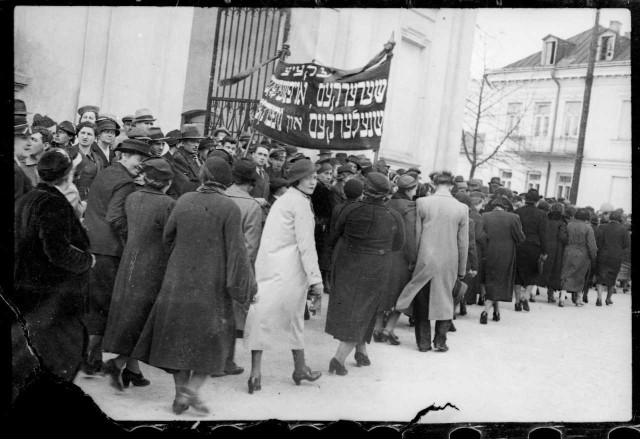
(353, 188)
(324, 167)
(54, 164)
(606, 207)
(464, 199)
(219, 170)
(406, 182)
(377, 184)
(221, 153)
(277, 182)
(544, 206)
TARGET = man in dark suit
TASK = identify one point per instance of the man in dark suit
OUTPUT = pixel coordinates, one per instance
(260, 191)
(106, 225)
(185, 159)
(108, 130)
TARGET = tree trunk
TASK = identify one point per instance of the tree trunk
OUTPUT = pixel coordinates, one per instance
(472, 171)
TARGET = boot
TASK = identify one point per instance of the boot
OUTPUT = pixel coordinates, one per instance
(550, 298)
(585, 296)
(609, 293)
(302, 371)
(525, 305)
(463, 308)
(440, 339)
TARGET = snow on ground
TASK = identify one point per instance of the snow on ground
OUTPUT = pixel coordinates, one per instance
(549, 365)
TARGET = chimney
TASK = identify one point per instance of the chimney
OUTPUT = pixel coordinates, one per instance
(615, 26)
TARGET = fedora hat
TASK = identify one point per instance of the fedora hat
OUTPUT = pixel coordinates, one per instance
(173, 137)
(156, 135)
(143, 115)
(495, 180)
(301, 169)
(42, 121)
(127, 118)
(355, 160)
(190, 131)
(19, 108)
(88, 108)
(139, 134)
(325, 151)
(134, 146)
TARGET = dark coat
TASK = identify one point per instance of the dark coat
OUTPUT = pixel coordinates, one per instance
(105, 218)
(190, 324)
(473, 283)
(503, 231)
(51, 263)
(87, 170)
(534, 227)
(580, 251)
(141, 269)
(613, 243)
(320, 200)
(371, 231)
(404, 260)
(21, 183)
(261, 188)
(337, 194)
(556, 238)
(107, 160)
(187, 165)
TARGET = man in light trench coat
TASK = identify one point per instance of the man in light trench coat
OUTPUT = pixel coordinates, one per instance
(442, 233)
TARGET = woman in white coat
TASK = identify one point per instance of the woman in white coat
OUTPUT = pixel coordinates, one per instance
(286, 266)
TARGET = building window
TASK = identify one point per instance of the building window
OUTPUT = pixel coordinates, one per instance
(563, 189)
(605, 50)
(550, 53)
(572, 119)
(513, 118)
(541, 120)
(505, 178)
(533, 180)
(624, 124)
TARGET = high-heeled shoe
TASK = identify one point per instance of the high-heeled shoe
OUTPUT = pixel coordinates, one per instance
(379, 337)
(114, 373)
(483, 317)
(496, 316)
(391, 337)
(362, 359)
(335, 366)
(254, 384)
(308, 374)
(518, 306)
(137, 379)
(195, 402)
(180, 403)
(525, 305)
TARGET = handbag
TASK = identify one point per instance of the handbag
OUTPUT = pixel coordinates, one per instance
(459, 289)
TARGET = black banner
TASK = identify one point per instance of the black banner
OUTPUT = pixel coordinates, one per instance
(319, 107)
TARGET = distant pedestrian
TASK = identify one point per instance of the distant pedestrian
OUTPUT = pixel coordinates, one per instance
(556, 238)
(580, 251)
(613, 243)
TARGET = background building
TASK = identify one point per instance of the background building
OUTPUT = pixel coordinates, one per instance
(170, 59)
(543, 94)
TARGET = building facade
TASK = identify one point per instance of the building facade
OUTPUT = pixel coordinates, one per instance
(170, 59)
(543, 95)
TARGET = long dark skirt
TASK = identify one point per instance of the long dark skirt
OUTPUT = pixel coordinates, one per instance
(399, 277)
(608, 269)
(101, 281)
(527, 255)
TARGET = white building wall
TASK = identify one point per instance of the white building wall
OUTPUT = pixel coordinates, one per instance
(121, 59)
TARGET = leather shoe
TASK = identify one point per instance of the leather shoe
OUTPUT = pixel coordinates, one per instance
(483, 318)
(496, 316)
(379, 337)
(335, 366)
(307, 374)
(452, 328)
(441, 347)
(424, 349)
(525, 305)
(518, 306)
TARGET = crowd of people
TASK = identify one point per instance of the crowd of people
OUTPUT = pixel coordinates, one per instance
(165, 248)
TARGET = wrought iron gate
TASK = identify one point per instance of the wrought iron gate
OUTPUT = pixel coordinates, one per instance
(244, 37)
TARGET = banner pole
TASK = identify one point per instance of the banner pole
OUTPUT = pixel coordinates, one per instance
(375, 156)
(246, 151)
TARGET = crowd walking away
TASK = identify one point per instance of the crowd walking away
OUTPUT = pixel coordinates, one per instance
(166, 248)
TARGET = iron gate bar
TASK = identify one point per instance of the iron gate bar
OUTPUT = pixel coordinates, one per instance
(242, 67)
(207, 117)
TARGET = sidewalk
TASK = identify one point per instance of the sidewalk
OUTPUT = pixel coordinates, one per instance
(551, 364)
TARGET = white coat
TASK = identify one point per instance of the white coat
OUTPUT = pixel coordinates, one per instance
(286, 266)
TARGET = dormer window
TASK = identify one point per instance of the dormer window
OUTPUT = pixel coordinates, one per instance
(549, 51)
(605, 46)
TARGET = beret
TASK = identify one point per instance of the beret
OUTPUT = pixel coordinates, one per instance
(353, 188)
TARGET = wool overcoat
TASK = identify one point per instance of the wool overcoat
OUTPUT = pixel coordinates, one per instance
(51, 263)
(581, 250)
(251, 215)
(503, 232)
(187, 165)
(473, 283)
(320, 200)
(613, 242)
(87, 171)
(403, 261)
(534, 227)
(190, 324)
(442, 236)
(141, 270)
(370, 232)
(286, 266)
(556, 237)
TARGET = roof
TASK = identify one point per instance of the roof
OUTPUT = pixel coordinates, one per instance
(577, 52)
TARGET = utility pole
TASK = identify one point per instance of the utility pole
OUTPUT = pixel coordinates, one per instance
(575, 180)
